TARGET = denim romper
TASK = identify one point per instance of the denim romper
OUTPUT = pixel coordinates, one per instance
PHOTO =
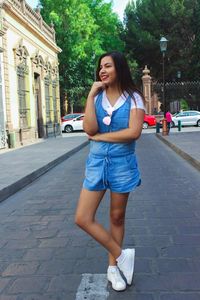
(112, 165)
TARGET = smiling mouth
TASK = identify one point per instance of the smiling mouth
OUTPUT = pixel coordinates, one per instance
(104, 77)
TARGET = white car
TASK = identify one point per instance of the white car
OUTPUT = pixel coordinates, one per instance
(187, 118)
(73, 125)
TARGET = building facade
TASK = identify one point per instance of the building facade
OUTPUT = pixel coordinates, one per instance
(29, 78)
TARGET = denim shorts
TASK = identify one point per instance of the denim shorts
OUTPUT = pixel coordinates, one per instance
(120, 174)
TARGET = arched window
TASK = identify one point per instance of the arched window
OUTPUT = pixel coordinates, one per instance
(55, 96)
(47, 99)
(21, 55)
(48, 92)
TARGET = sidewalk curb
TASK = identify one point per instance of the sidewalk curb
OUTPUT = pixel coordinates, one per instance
(195, 163)
(18, 185)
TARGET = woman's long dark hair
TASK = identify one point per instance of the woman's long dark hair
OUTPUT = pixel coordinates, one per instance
(125, 81)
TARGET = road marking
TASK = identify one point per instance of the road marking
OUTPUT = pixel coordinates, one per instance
(93, 287)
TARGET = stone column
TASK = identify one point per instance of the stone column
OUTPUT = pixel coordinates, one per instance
(146, 80)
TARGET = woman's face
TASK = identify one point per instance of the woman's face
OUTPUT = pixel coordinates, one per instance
(107, 71)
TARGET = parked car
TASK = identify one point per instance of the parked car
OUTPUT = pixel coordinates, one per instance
(73, 124)
(187, 118)
(70, 116)
(149, 120)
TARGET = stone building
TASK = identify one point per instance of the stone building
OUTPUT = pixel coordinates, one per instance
(29, 79)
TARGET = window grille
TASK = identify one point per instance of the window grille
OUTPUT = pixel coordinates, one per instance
(47, 101)
(22, 95)
(54, 101)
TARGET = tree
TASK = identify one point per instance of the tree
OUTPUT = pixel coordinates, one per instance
(184, 105)
(84, 30)
(194, 58)
(178, 20)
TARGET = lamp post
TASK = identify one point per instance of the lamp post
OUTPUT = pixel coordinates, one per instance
(163, 49)
(179, 75)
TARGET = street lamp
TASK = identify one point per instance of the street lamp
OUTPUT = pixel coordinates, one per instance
(163, 49)
(179, 75)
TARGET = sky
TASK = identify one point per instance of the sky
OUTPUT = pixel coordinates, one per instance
(118, 6)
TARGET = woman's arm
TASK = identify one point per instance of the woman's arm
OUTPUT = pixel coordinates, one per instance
(133, 132)
(90, 124)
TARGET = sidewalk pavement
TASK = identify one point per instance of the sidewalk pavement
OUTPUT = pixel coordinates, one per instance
(22, 166)
(186, 144)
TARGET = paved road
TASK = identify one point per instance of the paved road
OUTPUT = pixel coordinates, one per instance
(44, 256)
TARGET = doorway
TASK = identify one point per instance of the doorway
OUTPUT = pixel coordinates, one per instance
(38, 105)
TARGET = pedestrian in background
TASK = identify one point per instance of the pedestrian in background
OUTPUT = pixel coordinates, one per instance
(169, 120)
(113, 120)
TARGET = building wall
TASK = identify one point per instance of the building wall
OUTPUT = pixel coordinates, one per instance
(28, 42)
(3, 136)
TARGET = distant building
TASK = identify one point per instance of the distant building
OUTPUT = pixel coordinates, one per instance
(29, 79)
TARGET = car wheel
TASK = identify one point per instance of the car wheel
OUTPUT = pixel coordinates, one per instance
(145, 125)
(172, 124)
(198, 123)
(68, 128)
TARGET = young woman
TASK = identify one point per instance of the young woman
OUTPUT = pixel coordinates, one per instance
(169, 120)
(113, 120)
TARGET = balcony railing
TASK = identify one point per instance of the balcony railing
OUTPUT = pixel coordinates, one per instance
(33, 16)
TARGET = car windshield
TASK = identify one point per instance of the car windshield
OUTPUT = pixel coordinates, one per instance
(80, 117)
(70, 116)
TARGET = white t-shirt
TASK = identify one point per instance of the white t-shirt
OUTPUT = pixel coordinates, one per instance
(120, 101)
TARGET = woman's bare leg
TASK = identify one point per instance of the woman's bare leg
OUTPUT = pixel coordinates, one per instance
(85, 218)
(117, 218)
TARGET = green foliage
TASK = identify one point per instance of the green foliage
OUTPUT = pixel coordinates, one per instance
(184, 105)
(133, 68)
(146, 21)
(84, 30)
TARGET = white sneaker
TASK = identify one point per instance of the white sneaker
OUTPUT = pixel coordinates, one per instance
(125, 263)
(113, 275)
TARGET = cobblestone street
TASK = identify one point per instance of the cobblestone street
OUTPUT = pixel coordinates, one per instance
(43, 254)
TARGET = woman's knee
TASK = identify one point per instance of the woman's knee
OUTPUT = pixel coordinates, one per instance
(117, 218)
(81, 220)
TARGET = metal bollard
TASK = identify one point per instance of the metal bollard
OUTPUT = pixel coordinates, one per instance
(157, 127)
(11, 140)
(47, 133)
(179, 125)
(164, 127)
